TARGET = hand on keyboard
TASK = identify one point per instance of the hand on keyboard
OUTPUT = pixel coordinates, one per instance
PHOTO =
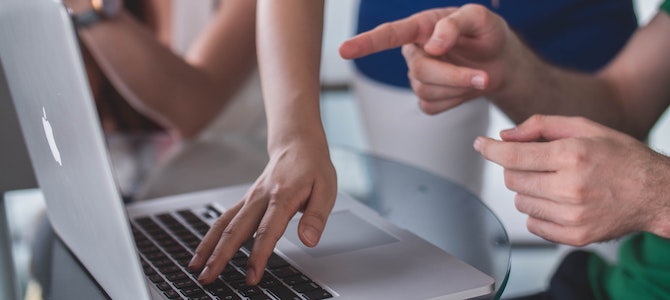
(297, 178)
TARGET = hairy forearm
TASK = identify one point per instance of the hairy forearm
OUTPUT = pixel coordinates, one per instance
(289, 52)
(629, 94)
(533, 86)
(180, 94)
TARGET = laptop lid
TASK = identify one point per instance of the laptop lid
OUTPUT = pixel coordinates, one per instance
(48, 86)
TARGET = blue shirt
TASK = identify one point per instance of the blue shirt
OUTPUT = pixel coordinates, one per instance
(578, 34)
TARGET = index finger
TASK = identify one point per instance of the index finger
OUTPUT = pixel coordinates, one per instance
(415, 29)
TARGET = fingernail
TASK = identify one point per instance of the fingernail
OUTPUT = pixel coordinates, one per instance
(204, 274)
(478, 82)
(477, 144)
(251, 276)
(194, 261)
(310, 235)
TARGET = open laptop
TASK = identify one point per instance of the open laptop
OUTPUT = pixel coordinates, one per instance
(139, 251)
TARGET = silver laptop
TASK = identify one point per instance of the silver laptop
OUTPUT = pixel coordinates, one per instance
(139, 251)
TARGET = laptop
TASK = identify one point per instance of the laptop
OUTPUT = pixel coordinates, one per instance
(139, 251)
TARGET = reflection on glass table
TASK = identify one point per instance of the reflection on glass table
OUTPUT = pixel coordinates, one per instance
(434, 208)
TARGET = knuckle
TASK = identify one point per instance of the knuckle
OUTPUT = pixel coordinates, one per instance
(576, 193)
(265, 233)
(579, 238)
(519, 203)
(392, 30)
(477, 12)
(229, 231)
(423, 91)
(427, 107)
(575, 217)
(577, 156)
(536, 120)
(510, 180)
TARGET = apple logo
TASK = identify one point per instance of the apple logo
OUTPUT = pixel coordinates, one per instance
(48, 131)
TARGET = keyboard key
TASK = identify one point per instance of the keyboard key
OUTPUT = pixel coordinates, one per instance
(306, 287)
(275, 261)
(268, 280)
(282, 292)
(260, 297)
(171, 294)
(317, 294)
(293, 280)
(284, 271)
(186, 283)
(155, 278)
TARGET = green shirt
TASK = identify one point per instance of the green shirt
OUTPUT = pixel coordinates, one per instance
(643, 270)
(666, 6)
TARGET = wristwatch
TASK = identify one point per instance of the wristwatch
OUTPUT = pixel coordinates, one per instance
(101, 9)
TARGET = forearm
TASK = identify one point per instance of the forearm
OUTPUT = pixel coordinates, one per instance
(180, 95)
(289, 52)
(532, 86)
(629, 94)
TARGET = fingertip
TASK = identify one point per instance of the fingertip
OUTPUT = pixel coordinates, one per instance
(349, 50)
(310, 236)
(252, 278)
(479, 81)
(478, 143)
(204, 275)
(195, 263)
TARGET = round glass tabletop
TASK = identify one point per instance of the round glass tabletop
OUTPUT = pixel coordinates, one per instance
(434, 208)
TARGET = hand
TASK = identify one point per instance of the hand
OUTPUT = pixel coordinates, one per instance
(299, 177)
(453, 54)
(584, 182)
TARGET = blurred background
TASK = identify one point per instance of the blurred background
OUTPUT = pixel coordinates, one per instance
(533, 259)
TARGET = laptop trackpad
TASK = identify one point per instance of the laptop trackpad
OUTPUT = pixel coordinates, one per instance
(344, 232)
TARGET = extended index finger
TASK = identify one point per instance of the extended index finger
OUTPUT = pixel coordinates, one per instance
(415, 29)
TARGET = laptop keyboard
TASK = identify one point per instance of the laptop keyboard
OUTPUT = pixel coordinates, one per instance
(166, 243)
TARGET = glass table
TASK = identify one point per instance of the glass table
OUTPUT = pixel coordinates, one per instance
(442, 212)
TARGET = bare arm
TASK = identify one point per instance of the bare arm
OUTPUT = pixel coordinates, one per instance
(182, 94)
(289, 42)
(629, 94)
(299, 175)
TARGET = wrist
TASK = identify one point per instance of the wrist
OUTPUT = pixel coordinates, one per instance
(313, 139)
(522, 73)
(660, 221)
